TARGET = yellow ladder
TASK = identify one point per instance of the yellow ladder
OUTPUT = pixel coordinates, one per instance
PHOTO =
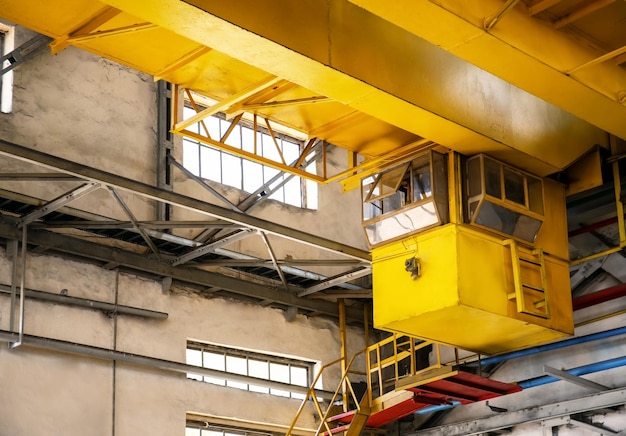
(529, 280)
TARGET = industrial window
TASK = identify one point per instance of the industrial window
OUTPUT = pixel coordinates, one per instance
(253, 364)
(195, 428)
(6, 79)
(216, 165)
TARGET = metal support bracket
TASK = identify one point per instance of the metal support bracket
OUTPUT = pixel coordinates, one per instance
(564, 375)
(24, 52)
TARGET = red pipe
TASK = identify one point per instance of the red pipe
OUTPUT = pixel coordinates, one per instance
(592, 227)
(599, 297)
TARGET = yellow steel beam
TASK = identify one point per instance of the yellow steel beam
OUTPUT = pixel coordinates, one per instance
(541, 6)
(581, 12)
(520, 50)
(298, 101)
(182, 61)
(340, 50)
(97, 20)
(242, 95)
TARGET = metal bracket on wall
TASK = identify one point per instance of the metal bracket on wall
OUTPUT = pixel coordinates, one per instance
(24, 52)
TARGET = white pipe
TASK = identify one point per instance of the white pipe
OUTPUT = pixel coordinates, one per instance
(6, 81)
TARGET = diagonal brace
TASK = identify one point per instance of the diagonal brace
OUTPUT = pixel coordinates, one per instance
(58, 203)
(132, 218)
(210, 248)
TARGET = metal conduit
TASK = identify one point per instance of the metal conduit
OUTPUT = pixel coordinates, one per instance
(86, 303)
(152, 362)
(581, 370)
(551, 346)
(579, 303)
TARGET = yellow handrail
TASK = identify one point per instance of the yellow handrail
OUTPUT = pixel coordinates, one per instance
(402, 348)
(311, 394)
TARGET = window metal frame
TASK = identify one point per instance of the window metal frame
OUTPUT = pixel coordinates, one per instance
(289, 362)
(280, 193)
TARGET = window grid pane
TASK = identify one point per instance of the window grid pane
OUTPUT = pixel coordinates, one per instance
(267, 367)
(213, 164)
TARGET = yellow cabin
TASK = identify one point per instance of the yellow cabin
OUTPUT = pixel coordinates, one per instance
(469, 252)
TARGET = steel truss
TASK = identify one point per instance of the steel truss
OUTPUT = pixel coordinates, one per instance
(166, 255)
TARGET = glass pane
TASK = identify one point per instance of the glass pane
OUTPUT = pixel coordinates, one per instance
(514, 187)
(402, 223)
(473, 177)
(194, 357)
(279, 392)
(231, 170)
(234, 138)
(247, 139)
(527, 228)
(212, 433)
(299, 376)
(259, 368)
(279, 372)
(211, 166)
(440, 185)
(372, 210)
(269, 173)
(213, 124)
(291, 151)
(252, 176)
(269, 148)
(472, 209)
(493, 181)
(192, 432)
(388, 182)
(393, 202)
(507, 221)
(278, 194)
(293, 195)
(214, 361)
(421, 179)
(535, 195)
(236, 365)
(237, 385)
(191, 157)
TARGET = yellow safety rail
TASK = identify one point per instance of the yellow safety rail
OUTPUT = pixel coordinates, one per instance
(344, 384)
(393, 365)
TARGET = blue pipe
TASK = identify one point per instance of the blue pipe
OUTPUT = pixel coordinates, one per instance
(551, 346)
(438, 407)
(581, 370)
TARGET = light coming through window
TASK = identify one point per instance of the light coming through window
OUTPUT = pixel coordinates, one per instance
(286, 370)
(219, 166)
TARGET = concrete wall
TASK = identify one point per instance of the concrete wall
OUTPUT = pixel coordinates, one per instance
(89, 110)
(69, 394)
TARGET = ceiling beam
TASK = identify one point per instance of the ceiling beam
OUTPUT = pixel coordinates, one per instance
(148, 191)
(141, 263)
(602, 400)
(406, 81)
(520, 50)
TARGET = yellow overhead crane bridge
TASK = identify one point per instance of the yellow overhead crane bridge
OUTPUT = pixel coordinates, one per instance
(452, 112)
